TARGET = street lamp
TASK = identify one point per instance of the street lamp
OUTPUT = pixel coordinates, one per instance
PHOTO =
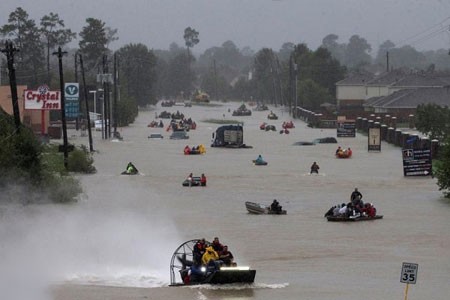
(95, 100)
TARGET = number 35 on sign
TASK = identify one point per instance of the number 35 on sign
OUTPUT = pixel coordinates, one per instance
(409, 273)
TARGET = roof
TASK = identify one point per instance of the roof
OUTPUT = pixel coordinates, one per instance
(356, 79)
(411, 98)
(421, 80)
(388, 78)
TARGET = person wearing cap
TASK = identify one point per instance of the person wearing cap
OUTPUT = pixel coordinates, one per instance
(199, 250)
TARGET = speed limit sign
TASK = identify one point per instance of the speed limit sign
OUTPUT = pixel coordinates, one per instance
(409, 273)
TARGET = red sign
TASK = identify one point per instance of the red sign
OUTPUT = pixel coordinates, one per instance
(42, 99)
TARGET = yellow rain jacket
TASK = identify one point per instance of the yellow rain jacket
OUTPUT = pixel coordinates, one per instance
(209, 254)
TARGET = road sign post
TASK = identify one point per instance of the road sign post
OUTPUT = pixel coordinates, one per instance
(409, 275)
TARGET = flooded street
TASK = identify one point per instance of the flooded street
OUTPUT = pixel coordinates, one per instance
(117, 241)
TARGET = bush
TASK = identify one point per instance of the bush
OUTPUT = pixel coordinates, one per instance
(80, 161)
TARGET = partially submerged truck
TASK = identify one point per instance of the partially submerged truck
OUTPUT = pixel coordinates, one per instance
(229, 136)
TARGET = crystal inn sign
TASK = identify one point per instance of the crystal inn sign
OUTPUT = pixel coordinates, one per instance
(42, 99)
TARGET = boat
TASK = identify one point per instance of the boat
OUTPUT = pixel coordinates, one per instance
(260, 209)
(195, 181)
(182, 260)
(272, 116)
(344, 154)
(352, 218)
(259, 163)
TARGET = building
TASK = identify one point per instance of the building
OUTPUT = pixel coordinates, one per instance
(30, 118)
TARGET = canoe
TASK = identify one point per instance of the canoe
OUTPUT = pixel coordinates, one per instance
(260, 209)
(352, 219)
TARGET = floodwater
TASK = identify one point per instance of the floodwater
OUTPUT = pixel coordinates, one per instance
(117, 241)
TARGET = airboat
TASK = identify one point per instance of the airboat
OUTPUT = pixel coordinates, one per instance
(182, 261)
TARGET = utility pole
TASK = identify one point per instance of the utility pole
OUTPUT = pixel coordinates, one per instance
(387, 61)
(115, 96)
(290, 85)
(91, 147)
(295, 90)
(215, 80)
(60, 54)
(9, 51)
(77, 120)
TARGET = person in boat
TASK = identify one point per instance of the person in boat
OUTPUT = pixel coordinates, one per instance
(218, 247)
(259, 159)
(196, 273)
(198, 251)
(349, 151)
(131, 169)
(275, 206)
(210, 259)
(314, 168)
(187, 150)
(161, 124)
(203, 180)
(338, 150)
(369, 210)
(190, 178)
(343, 210)
(356, 195)
(227, 257)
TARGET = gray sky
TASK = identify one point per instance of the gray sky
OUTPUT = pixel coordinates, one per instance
(254, 23)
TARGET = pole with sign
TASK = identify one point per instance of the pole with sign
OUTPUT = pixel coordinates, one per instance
(409, 275)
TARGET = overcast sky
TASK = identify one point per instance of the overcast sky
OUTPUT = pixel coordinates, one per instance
(254, 23)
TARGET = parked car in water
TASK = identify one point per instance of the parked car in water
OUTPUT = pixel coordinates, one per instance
(179, 135)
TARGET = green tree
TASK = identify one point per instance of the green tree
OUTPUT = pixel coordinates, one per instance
(137, 66)
(337, 50)
(311, 94)
(264, 66)
(385, 47)
(442, 169)
(127, 110)
(179, 76)
(26, 36)
(54, 34)
(433, 121)
(357, 52)
(191, 38)
(93, 43)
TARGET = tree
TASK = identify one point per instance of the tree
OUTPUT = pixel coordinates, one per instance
(179, 76)
(311, 95)
(52, 29)
(337, 50)
(357, 52)
(285, 52)
(382, 50)
(137, 66)
(93, 44)
(26, 36)
(433, 121)
(442, 169)
(191, 38)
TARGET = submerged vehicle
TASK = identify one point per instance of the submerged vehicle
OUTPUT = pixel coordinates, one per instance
(229, 136)
(260, 209)
(182, 262)
(196, 181)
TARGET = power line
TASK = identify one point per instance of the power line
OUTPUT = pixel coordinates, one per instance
(425, 31)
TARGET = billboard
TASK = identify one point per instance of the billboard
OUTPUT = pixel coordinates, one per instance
(374, 139)
(346, 128)
(71, 96)
(416, 162)
(42, 99)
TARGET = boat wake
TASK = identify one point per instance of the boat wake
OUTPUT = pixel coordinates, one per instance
(239, 286)
(137, 280)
